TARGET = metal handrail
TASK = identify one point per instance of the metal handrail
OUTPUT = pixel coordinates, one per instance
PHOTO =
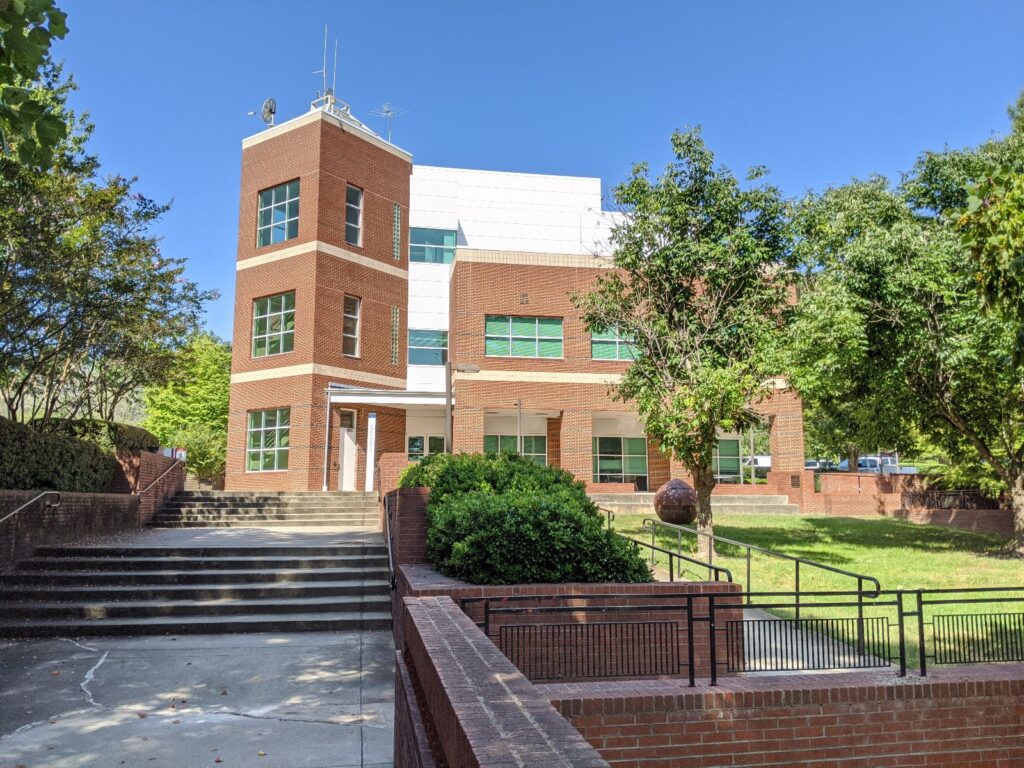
(750, 548)
(387, 527)
(32, 501)
(161, 477)
(672, 556)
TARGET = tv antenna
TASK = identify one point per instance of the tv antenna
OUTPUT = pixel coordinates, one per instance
(267, 112)
(389, 112)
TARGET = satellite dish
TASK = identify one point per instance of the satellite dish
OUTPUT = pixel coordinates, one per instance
(268, 110)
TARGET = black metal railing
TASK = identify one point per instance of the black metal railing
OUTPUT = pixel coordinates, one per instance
(626, 634)
(939, 499)
(383, 500)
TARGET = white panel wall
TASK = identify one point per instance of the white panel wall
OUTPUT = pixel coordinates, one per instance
(506, 425)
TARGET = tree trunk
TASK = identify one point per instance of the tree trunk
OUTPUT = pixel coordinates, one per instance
(1017, 507)
(852, 454)
(703, 484)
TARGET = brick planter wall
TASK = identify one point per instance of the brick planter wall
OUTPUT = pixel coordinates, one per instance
(78, 516)
(481, 708)
(965, 717)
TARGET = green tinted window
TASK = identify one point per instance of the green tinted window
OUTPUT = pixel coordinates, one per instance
(534, 446)
(523, 336)
(277, 216)
(432, 246)
(620, 460)
(267, 440)
(609, 345)
(273, 324)
(428, 347)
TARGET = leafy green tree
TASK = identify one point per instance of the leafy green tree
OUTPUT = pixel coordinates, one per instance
(196, 392)
(905, 276)
(90, 309)
(700, 289)
(205, 447)
(30, 127)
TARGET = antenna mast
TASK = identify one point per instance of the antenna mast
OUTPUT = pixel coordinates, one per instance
(389, 112)
(323, 70)
(334, 79)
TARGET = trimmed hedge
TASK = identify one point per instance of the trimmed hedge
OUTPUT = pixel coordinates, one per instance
(110, 436)
(51, 461)
(502, 519)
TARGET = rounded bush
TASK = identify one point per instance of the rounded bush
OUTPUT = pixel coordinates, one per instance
(51, 461)
(502, 519)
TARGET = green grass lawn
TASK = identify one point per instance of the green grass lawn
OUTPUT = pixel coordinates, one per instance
(901, 555)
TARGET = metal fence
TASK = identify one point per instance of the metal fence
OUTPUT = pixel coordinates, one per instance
(626, 634)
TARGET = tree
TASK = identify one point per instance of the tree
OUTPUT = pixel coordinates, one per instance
(904, 272)
(700, 289)
(90, 309)
(29, 126)
(191, 409)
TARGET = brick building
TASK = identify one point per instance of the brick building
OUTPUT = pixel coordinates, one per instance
(362, 279)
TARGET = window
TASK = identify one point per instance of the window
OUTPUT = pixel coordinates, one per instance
(611, 346)
(273, 324)
(268, 440)
(534, 446)
(396, 232)
(725, 461)
(523, 336)
(417, 443)
(278, 216)
(350, 327)
(353, 215)
(620, 460)
(432, 246)
(428, 347)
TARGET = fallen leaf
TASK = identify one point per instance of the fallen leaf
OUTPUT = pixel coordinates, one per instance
(261, 754)
(219, 760)
(55, 673)
(175, 722)
(142, 715)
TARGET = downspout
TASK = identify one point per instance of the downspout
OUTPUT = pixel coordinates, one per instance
(327, 434)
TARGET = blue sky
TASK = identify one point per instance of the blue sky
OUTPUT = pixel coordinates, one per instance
(819, 92)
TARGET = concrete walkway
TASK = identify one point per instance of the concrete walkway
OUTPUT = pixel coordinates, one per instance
(315, 700)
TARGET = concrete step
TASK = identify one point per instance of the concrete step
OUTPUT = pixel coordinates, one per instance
(275, 495)
(270, 504)
(216, 607)
(759, 500)
(218, 562)
(205, 591)
(220, 551)
(306, 523)
(270, 514)
(193, 576)
(192, 625)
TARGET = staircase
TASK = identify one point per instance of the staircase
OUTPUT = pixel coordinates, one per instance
(263, 509)
(643, 504)
(327, 581)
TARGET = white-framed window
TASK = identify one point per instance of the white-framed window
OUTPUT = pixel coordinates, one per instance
(534, 446)
(350, 327)
(725, 461)
(609, 345)
(620, 460)
(278, 214)
(428, 347)
(273, 324)
(506, 336)
(419, 446)
(353, 215)
(267, 446)
(432, 246)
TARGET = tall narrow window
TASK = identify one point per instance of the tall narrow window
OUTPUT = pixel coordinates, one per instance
(353, 215)
(432, 246)
(350, 327)
(278, 215)
(396, 232)
(428, 347)
(267, 447)
(273, 324)
(506, 336)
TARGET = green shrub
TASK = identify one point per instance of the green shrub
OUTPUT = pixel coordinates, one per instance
(206, 449)
(502, 519)
(110, 436)
(51, 461)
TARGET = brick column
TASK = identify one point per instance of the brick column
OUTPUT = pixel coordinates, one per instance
(468, 430)
(554, 432)
(575, 443)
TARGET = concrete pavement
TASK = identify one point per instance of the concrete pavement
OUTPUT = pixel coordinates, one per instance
(296, 700)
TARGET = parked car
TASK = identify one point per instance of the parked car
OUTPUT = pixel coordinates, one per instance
(821, 465)
(887, 465)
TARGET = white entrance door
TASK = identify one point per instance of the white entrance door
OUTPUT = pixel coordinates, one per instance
(347, 452)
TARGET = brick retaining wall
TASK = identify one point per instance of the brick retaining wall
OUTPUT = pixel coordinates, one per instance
(78, 516)
(483, 710)
(967, 717)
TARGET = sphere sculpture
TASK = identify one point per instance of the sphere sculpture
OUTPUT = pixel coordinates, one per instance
(676, 502)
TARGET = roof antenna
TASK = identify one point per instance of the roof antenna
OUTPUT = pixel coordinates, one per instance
(323, 70)
(334, 79)
(389, 112)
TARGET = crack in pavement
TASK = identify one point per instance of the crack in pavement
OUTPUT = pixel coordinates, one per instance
(84, 685)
